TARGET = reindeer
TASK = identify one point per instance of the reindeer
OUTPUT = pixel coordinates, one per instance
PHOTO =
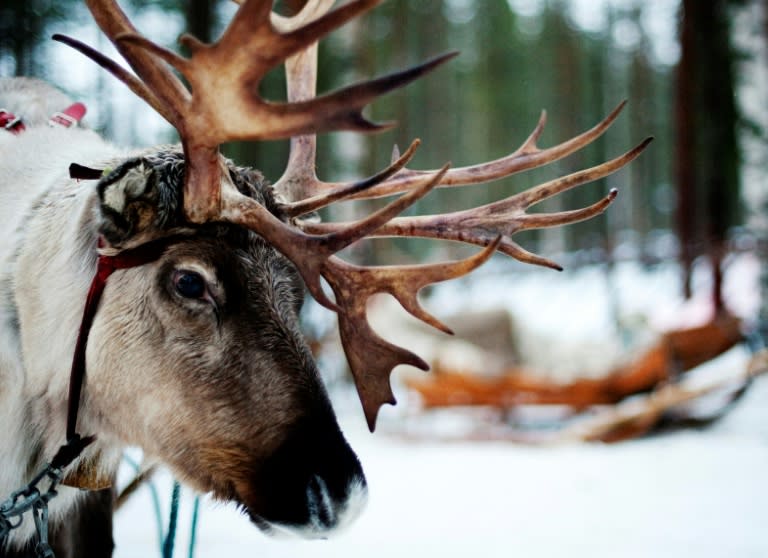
(194, 351)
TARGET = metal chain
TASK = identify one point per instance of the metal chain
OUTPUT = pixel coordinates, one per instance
(30, 498)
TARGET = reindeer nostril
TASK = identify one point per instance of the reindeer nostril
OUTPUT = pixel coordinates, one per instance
(322, 510)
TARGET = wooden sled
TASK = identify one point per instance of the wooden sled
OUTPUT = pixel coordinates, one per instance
(676, 352)
(655, 373)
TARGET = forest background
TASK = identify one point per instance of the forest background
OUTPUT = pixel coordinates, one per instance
(694, 74)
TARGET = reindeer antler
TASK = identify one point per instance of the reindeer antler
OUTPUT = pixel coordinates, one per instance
(222, 104)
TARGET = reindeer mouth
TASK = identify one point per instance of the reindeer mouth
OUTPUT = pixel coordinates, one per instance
(325, 516)
(312, 486)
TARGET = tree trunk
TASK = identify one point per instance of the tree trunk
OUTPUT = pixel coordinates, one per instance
(685, 162)
(708, 153)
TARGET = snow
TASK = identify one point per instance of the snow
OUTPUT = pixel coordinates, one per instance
(691, 493)
(697, 494)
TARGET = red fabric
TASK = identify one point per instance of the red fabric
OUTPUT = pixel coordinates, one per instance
(71, 115)
(103, 270)
(68, 117)
(106, 265)
(11, 122)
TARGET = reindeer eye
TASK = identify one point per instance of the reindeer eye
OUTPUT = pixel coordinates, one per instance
(189, 284)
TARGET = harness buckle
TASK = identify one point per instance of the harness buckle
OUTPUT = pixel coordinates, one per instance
(10, 121)
(68, 117)
(13, 123)
(61, 120)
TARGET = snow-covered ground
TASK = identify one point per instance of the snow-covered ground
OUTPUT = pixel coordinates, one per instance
(702, 494)
(692, 493)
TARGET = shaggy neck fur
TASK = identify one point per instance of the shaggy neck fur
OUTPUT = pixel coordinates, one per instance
(48, 230)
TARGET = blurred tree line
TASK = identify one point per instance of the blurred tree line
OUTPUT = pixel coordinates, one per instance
(517, 58)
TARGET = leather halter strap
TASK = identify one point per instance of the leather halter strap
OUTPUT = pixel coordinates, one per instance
(141, 255)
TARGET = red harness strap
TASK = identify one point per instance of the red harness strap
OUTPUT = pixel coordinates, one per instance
(67, 118)
(70, 116)
(144, 254)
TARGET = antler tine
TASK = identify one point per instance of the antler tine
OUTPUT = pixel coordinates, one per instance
(527, 156)
(299, 179)
(338, 192)
(537, 194)
(299, 184)
(164, 85)
(480, 225)
(256, 33)
(370, 357)
(134, 84)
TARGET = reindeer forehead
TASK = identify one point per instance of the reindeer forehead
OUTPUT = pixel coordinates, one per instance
(232, 247)
(242, 261)
(144, 195)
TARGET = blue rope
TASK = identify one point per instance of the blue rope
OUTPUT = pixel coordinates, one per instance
(170, 538)
(193, 529)
(155, 503)
(167, 542)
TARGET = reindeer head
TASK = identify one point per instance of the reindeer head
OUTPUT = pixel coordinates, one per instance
(216, 314)
(198, 358)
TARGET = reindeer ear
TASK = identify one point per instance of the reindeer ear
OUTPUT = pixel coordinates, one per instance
(124, 184)
(142, 196)
(125, 207)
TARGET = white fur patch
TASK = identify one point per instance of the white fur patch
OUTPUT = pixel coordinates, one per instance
(129, 187)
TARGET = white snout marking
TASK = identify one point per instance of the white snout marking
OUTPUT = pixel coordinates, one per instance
(321, 508)
(326, 517)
